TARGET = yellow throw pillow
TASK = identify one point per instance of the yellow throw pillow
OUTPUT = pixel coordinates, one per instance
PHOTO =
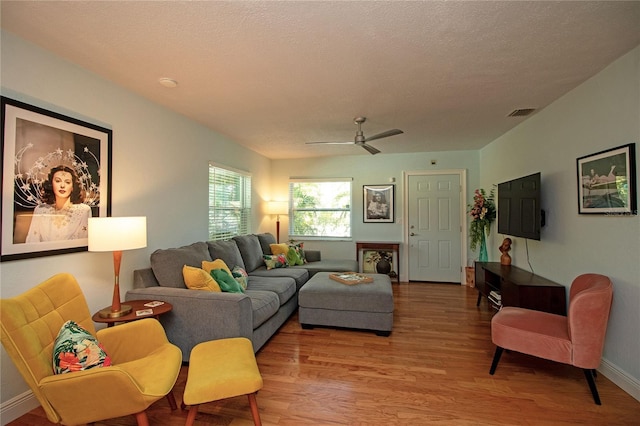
(199, 279)
(216, 264)
(279, 248)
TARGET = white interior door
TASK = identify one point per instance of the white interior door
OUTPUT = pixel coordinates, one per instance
(434, 228)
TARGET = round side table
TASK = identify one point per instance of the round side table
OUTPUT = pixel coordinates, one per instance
(138, 311)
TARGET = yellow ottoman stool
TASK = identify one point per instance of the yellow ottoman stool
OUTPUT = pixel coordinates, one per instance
(222, 369)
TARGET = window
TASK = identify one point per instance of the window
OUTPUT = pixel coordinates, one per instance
(229, 203)
(320, 208)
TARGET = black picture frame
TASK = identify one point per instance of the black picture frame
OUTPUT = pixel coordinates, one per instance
(382, 209)
(35, 141)
(607, 182)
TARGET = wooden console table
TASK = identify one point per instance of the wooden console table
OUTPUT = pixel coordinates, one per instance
(520, 288)
(393, 247)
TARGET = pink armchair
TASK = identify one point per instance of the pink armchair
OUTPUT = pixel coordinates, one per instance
(577, 339)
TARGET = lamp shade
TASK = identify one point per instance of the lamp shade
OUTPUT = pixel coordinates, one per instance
(278, 207)
(117, 233)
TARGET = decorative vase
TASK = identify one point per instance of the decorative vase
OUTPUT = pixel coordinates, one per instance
(484, 257)
(383, 267)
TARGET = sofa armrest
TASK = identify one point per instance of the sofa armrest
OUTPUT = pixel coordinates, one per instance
(313, 255)
(199, 316)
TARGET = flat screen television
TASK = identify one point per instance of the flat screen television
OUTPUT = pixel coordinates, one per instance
(519, 212)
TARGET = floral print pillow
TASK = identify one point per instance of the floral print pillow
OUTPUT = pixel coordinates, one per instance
(273, 261)
(76, 349)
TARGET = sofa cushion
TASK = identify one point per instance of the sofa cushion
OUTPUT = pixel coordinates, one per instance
(264, 304)
(266, 240)
(167, 263)
(299, 274)
(284, 287)
(251, 251)
(328, 265)
(227, 251)
(199, 279)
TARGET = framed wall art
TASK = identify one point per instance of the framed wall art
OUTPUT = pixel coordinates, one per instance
(607, 182)
(378, 203)
(56, 173)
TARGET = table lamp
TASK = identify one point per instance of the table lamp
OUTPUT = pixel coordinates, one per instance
(278, 208)
(117, 234)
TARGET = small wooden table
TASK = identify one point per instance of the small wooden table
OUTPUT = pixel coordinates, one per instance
(393, 247)
(136, 305)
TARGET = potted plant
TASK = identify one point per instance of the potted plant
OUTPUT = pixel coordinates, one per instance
(483, 213)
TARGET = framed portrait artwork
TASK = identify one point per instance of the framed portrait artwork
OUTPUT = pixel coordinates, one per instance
(378, 203)
(607, 182)
(56, 173)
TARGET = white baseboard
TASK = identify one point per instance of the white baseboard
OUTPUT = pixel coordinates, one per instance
(17, 406)
(625, 382)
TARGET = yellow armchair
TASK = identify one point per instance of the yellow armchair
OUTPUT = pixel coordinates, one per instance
(144, 367)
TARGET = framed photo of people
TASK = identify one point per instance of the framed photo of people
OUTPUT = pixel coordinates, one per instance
(56, 173)
(378, 203)
(607, 182)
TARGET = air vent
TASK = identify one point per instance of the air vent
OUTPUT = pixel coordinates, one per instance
(521, 112)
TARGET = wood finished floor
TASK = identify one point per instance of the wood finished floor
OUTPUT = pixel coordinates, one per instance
(433, 369)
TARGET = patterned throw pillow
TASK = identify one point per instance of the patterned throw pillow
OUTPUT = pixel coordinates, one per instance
(75, 349)
(240, 275)
(273, 261)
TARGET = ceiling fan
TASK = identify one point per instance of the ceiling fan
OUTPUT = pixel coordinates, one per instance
(360, 140)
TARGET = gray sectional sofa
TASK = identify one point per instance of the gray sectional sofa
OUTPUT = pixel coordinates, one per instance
(198, 316)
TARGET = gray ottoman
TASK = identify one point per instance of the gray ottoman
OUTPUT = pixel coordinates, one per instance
(369, 306)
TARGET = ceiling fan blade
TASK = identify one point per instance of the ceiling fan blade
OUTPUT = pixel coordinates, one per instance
(369, 148)
(333, 143)
(386, 134)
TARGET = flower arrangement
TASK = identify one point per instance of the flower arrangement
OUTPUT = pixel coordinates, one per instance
(482, 212)
(377, 256)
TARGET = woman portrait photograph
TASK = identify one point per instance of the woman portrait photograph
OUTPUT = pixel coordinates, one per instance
(378, 203)
(59, 181)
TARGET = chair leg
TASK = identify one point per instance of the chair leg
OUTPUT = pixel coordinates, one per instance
(589, 374)
(191, 417)
(142, 419)
(172, 401)
(496, 359)
(254, 409)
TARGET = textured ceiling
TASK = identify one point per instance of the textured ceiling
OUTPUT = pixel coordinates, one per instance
(274, 75)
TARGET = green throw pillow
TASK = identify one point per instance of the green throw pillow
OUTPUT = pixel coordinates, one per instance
(299, 246)
(226, 282)
(293, 257)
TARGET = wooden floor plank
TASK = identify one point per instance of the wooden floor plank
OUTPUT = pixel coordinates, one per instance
(432, 369)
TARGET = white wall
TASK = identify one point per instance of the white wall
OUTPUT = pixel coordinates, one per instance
(602, 113)
(159, 169)
(367, 170)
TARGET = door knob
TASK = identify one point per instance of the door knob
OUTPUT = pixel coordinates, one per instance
(412, 234)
